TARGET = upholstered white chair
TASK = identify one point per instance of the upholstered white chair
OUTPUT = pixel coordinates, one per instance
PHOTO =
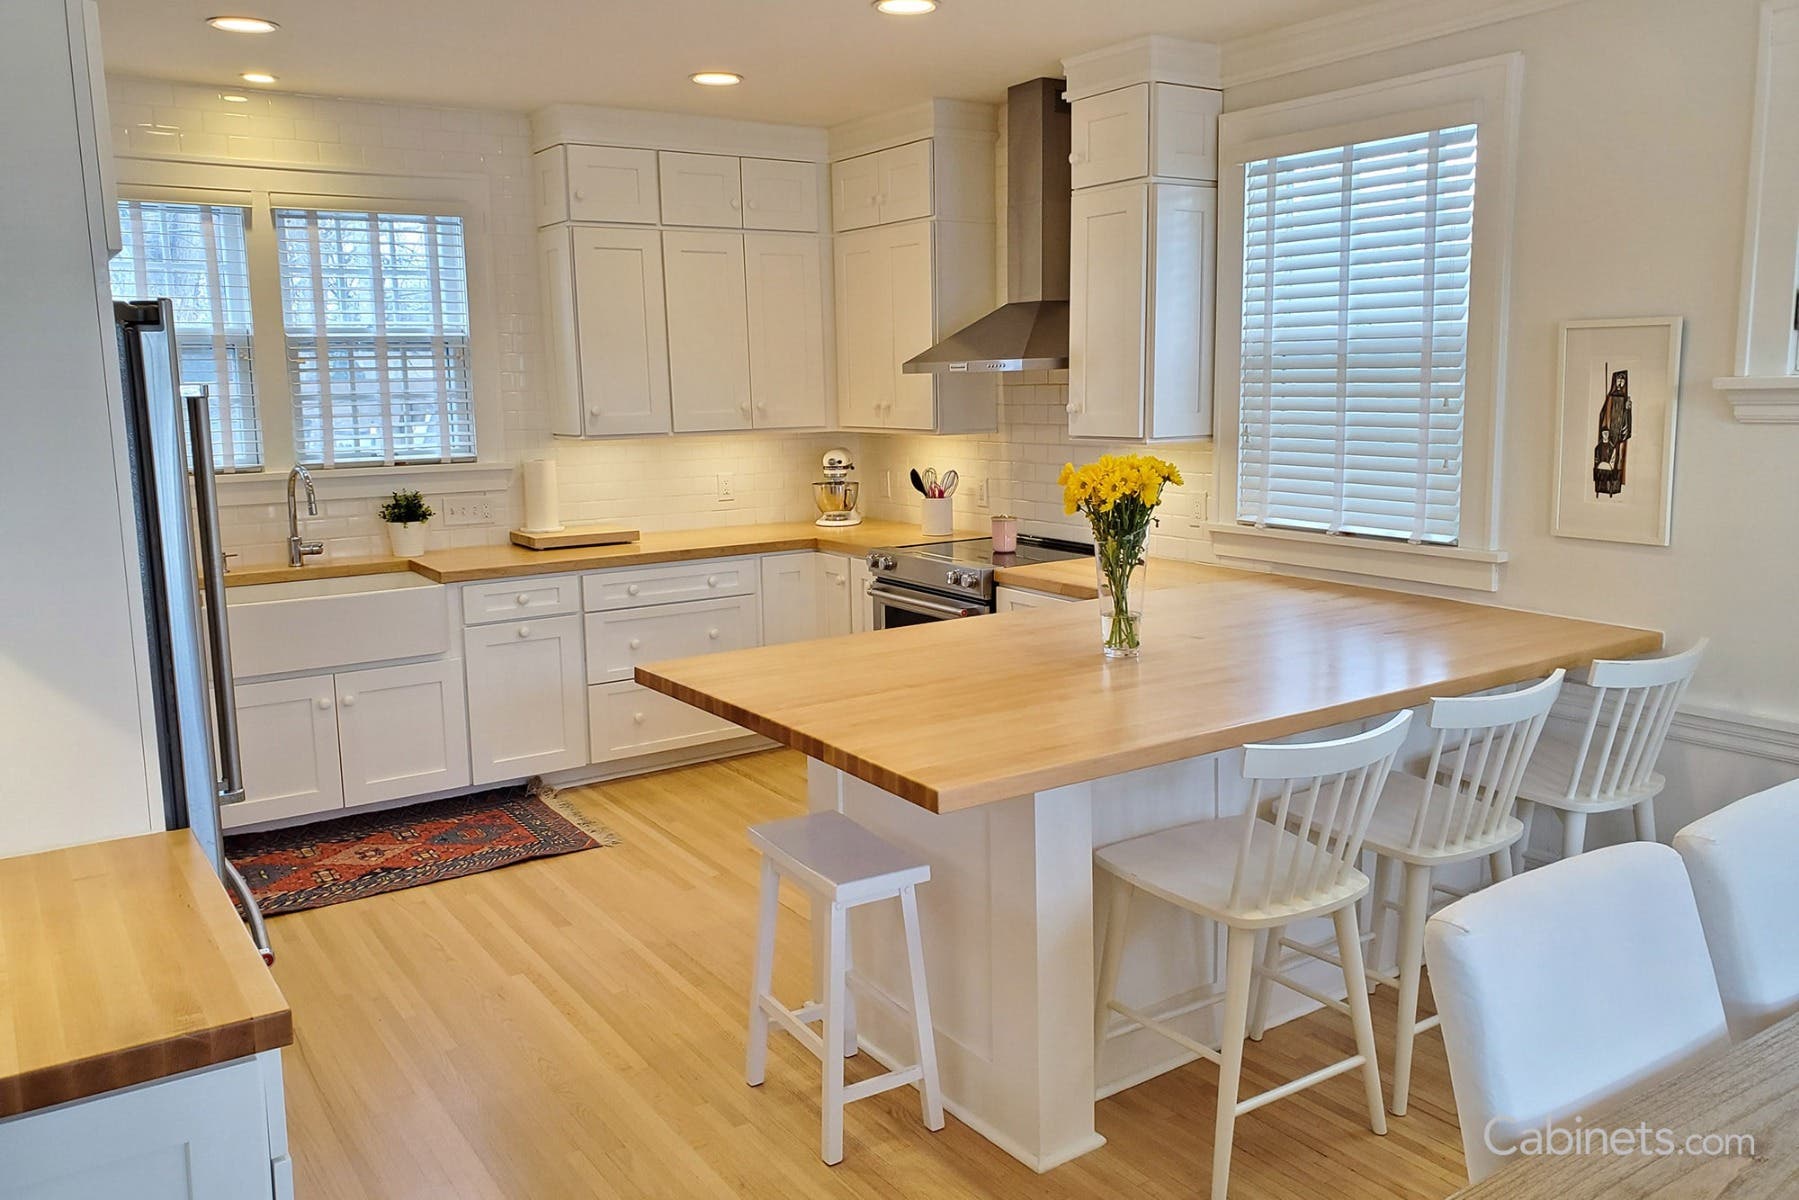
(1564, 988)
(1744, 863)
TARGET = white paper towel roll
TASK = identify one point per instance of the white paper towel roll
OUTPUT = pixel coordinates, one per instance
(543, 511)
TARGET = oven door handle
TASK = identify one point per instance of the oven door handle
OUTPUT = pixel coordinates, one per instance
(916, 604)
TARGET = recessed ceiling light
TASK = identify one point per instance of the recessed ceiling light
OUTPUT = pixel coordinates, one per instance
(716, 78)
(242, 24)
(234, 98)
(905, 8)
(257, 77)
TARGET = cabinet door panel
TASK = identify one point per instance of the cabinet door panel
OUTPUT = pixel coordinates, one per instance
(1185, 131)
(630, 720)
(862, 605)
(622, 330)
(621, 640)
(911, 311)
(701, 189)
(708, 330)
(1109, 137)
(784, 274)
(865, 364)
(1182, 238)
(403, 730)
(905, 182)
(790, 587)
(1106, 312)
(550, 168)
(526, 698)
(287, 734)
(780, 195)
(555, 265)
(607, 183)
(855, 192)
(835, 600)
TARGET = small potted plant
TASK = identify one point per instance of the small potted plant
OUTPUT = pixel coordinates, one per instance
(406, 514)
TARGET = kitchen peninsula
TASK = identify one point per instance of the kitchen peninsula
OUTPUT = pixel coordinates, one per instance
(1004, 749)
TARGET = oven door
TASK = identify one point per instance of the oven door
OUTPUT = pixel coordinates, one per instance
(897, 606)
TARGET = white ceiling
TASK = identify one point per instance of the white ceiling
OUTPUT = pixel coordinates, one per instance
(811, 62)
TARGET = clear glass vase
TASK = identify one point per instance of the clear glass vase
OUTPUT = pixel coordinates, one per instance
(1121, 588)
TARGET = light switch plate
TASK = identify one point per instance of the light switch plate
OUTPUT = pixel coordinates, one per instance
(467, 509)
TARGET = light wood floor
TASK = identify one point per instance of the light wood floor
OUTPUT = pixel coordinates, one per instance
(573, 1027)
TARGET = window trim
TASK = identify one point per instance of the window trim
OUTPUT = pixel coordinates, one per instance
(265, 188)
(1765, 387)
(1485, 92)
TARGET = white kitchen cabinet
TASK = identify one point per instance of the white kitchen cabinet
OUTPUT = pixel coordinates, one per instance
(402, 731)
(1183, 130)
(701, 189)
(862, 605)
(629, 720)
(708, 329)
(784, 276)
(611, 183)
(883, 187)
(287, 735)
(780, 195)
(1164, 130)
(619, 640)
(526, 697)
(219, 1133)
(1140, 287)
(1008, 599)
(609, 363)
(668, 583)
(790, 595)
(836, 599)
(525, 596)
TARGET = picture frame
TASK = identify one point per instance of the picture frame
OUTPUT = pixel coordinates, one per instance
(1617, 403)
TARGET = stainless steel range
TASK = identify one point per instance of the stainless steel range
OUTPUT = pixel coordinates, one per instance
(941, 581)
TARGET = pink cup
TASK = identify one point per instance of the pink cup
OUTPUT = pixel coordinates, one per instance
(1005, 535)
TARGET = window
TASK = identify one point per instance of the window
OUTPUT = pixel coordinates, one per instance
(1354, 355)
(375, 312)
(194, 255)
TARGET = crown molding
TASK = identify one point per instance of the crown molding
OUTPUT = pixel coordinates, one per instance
(1383, 25)
(1753, 734)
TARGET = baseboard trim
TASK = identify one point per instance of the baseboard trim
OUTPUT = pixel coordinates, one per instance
(1755, 735)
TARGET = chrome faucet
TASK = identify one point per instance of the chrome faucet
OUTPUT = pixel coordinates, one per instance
(297, 550)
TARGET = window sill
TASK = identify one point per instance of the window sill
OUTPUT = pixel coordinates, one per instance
(1448, 566)
(1762, 399)
(345, 483)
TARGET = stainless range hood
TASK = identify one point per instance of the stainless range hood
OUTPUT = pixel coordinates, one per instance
(1031, 332)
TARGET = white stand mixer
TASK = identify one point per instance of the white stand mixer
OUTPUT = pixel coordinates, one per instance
(837, 493)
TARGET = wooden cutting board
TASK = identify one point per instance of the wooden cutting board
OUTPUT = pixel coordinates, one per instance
(573, 535)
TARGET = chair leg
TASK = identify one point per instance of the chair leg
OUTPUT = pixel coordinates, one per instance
(1501, 862)
(1377, 920)
(1414, 909)
(849, 995)
(762, 976)
(1645, 818)
(1349, 950)
(1527, 810)
(1270, 940)
(831, 1143)
(1111, 956)
(924, 1034)
(1574, 834)
(1239, 962)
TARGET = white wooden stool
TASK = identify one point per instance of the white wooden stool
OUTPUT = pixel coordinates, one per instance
(842, 865)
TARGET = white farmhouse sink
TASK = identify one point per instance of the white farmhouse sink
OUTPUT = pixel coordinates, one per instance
(328, 622)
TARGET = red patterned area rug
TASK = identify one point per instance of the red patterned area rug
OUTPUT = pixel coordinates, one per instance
(328, 862)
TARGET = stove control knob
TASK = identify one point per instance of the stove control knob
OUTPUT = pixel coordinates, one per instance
(880, 562)
(964, 579)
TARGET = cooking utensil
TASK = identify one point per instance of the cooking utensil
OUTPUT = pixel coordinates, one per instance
(918, 482)
(930, 482)
(947, 485)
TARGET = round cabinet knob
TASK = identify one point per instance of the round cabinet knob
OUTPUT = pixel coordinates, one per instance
(736, 204)
(580, 193)
(594, 413)
(713, 634)
(839, 580)
(753, 206)
(324, 703)
(524, 631)
(522, 599)
(711, 581)
(762, 408)
(636, 642)
(637, 718)
(745, 408)
(1074, 159)
(350, 700)
(630, 589)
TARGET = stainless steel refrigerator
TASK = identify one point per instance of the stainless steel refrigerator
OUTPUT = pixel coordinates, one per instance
(168, 432)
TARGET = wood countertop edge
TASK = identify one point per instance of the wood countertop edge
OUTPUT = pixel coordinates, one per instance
(148, 1062)
(1025, 782)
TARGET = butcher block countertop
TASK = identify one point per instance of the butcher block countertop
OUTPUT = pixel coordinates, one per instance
(1076, 579)
(123, 962)
(953, 714)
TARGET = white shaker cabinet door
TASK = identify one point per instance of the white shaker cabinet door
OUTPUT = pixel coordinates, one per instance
(856, 192)
(778, 194)
(865, 364)
(403, 731)
(790, 587)
(287, 734)
(622, 331)
(784, 275)
(562, 340)
(527, 698)
(862, 605)
(911, 303)
(1107, 287)
(1109, 137)
(608, 183)
(708, 330)
(701, 189)
(905, 182)
(836, 615)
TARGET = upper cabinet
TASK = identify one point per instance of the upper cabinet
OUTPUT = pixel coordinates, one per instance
(607, 330)
(708, 329)
(701, 189)
(882, 187)
(596, 183)
(1160, 129)
(780, 195)
(786, 282)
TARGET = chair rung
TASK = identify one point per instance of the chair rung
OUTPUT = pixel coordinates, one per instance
(1304, 1081)
(1182, 1005)
(793, 1023)
(1325, 956)
(1167, 1031)
(1430, 1022)
(1305, 991)
(882, 1083)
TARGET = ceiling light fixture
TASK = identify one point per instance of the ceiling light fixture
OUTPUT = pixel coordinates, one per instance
(716, 78)
(242, 24)
(905, 8)
(257, 77)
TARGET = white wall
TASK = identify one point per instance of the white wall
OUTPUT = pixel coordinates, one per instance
(73, 729)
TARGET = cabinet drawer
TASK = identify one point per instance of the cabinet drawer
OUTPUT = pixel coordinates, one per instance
(670, 583)
(529, 597)
(620, 639)
(627, 720)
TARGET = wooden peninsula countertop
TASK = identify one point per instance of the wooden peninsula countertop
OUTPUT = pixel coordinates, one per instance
(958, 713)
(123, 962)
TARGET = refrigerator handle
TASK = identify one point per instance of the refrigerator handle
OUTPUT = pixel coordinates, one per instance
(218, 637)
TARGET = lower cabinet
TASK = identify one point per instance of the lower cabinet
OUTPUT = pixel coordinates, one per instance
(1012, 599)
(862, 605)
(790, 587)
(526, 683)
(627, 720)
(287, 735)
(836, 598)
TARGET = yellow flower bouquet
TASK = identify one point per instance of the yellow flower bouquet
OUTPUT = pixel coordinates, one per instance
(1119, 494)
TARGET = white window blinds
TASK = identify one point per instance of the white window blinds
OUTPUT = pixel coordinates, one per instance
(193, 254)
(375, 309)
(1355, 336)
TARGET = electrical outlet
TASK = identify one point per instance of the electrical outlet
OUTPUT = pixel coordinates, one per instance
(1202, 512)
(886, 485)
(467, 510)
(980, 494)
(727, 490)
